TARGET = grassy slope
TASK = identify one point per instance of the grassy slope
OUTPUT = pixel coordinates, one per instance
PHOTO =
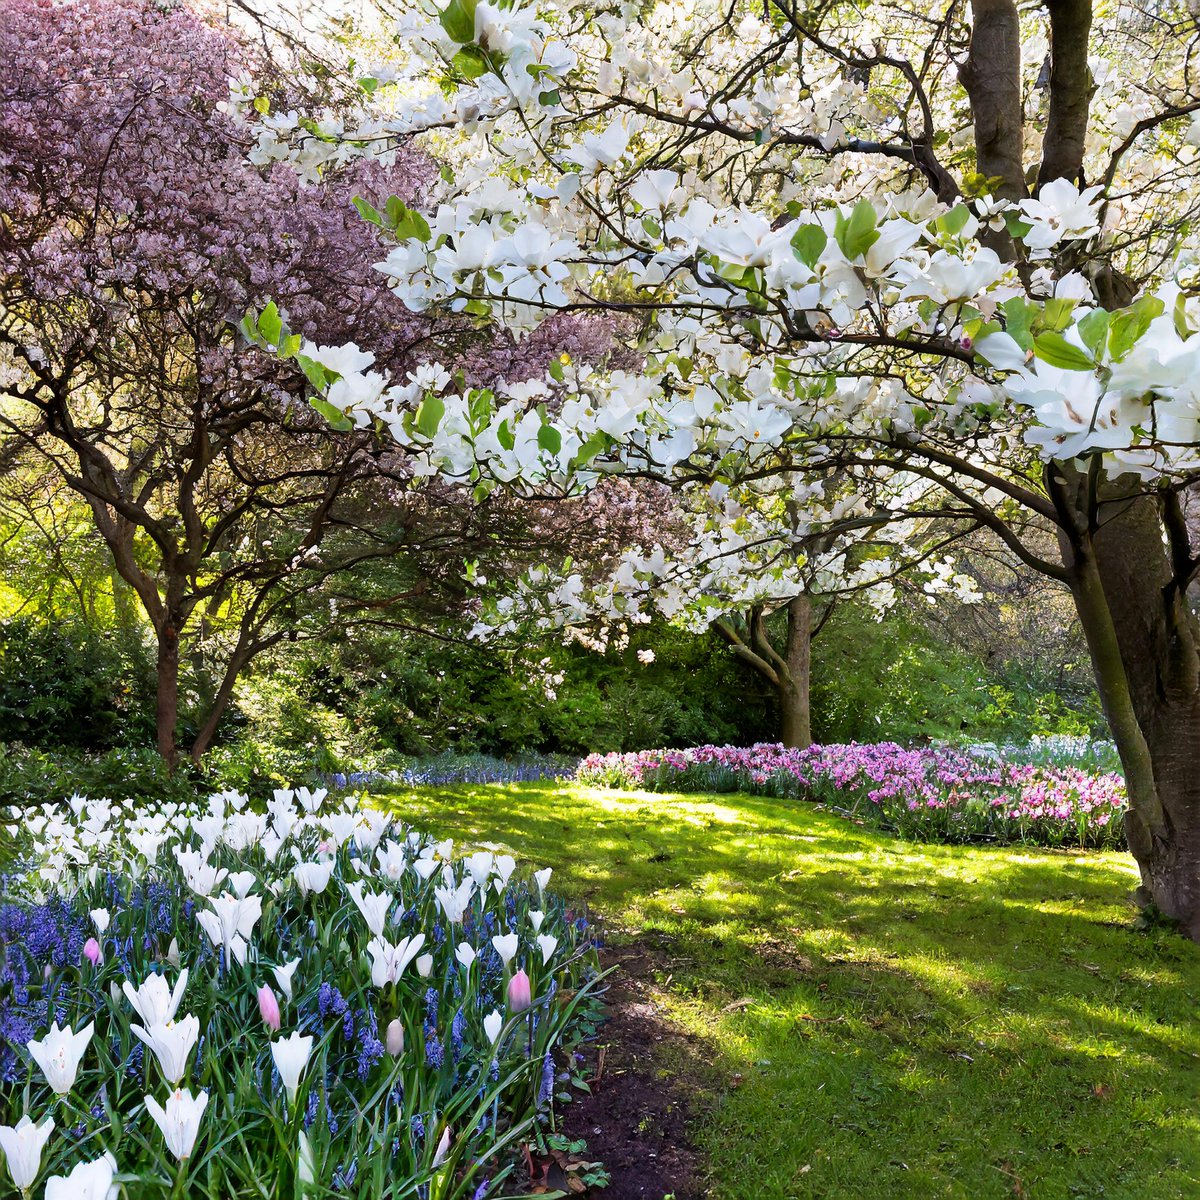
(914, 1021)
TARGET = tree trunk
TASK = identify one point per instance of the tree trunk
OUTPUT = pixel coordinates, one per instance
(1144, 646)
(166, 706)
(795, 705)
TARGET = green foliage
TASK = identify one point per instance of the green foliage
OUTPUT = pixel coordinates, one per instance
(62, 684)
(868, 1017)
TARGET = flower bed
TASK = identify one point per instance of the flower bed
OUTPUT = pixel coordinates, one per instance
(935, 794)
(311, 1000)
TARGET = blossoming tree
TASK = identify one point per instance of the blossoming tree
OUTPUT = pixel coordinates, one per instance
(947, 243)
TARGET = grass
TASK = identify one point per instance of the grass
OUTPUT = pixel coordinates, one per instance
(877, 1018)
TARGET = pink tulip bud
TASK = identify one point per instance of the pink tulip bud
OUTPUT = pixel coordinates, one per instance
(395, 1038)
(520, 996)
(91, 951)
(268, 1007)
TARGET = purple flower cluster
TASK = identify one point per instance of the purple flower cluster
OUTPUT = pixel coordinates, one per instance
(939, 793)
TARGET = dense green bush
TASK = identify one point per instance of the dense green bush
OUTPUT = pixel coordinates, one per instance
(63, 684)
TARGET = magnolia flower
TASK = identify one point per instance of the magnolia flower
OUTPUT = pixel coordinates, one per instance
(373, 906)
(547, 944)
(520, 995)
(465, 953)
(388, 961)
(154, 1001)
(291, 1055)
(493, 1023)
(1060, 212)
(22, 1145)
(313, 877)
(180, 1121)
(88, 1181)
(506, 946)
(283, 976)
(171, 1042)
(58, 1054)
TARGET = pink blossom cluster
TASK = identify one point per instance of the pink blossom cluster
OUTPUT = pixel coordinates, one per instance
(930, 791)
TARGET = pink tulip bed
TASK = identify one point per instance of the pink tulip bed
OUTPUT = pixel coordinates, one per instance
(928, 794)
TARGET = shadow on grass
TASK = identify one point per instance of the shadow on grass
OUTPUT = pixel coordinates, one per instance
(884, 1018)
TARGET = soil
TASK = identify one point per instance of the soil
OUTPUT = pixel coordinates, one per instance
(636, 1119)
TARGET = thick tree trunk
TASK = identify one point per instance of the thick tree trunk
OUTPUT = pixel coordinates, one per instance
(1144, 643)
(992, 78)
(166, 706)
(795, 682)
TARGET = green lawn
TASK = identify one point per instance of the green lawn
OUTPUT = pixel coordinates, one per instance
(906, 1020)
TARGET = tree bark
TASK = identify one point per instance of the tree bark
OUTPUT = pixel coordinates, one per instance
(992, 78)
(1071, 89)
(166, 702)
(794, 689)
(1144, 645)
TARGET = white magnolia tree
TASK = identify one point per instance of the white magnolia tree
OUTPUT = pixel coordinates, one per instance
(947, 243)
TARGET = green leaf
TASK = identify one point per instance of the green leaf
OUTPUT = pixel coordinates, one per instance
(368, 84)
(1056, 314)
(1130, 323)
(1053, 348)
(953, 221)
(429, 414)
(1179, 316)
(504, 435)
(458, 20)
(270, 324)
(808, 242)
(471, 62)
(550, 99)
(368, 212)
(314, 372)
(249, 327)
(550, 439)
(856, 234)
(1093, 329)
(336, 418)
(262, 105)
(1018, 319)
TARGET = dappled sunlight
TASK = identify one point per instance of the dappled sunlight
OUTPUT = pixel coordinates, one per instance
(844, 985)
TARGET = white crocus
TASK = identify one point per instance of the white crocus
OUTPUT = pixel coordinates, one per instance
(493, 1023)
(283, 976)
(373, 906)
(171, 1042)
(313, 877)
(88, 1181)
(388, 961)
(180, 1120)
(506, 946)
(155, 1001)
(291, 1055)
(22, 1145)
(58, 1054)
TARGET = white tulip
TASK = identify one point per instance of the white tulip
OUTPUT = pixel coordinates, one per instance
(506, 946)
(171, 1042)
(88, 1181)
(180, 1121)
(492, 1024)
(465, 953)
(547, 944)
(22, 1145)
(155, 1001)
(373, 906)
(291, 1055)
(425, 965)
(388, 961)
(283, 976)
(58, 1054)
